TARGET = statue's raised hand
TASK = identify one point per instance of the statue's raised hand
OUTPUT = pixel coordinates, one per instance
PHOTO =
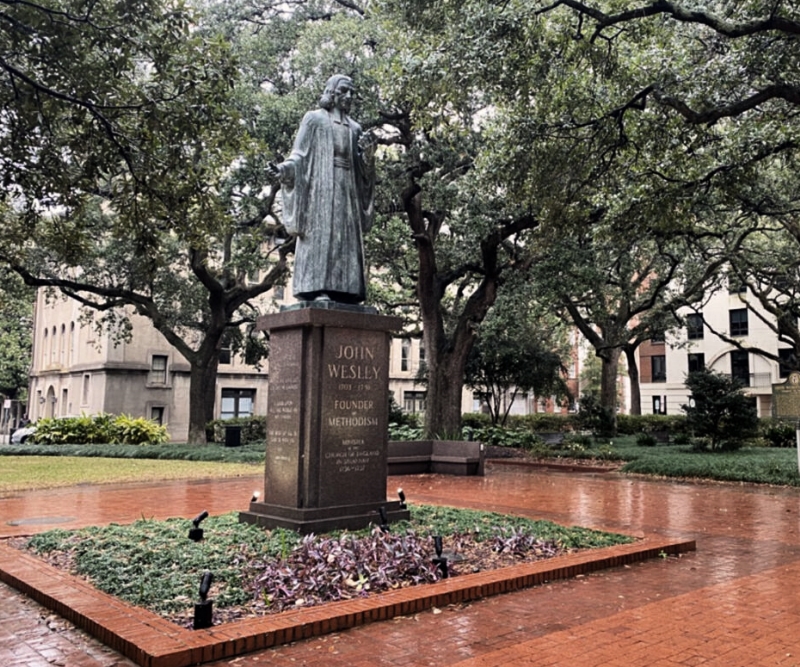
(367, 143)
(273, 171)
(281, 173)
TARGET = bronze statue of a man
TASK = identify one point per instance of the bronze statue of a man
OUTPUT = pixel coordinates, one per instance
(327, 184)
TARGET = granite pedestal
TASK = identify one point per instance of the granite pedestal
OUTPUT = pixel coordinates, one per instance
(327, 421)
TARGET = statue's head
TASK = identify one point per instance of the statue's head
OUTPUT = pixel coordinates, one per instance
(327, 99)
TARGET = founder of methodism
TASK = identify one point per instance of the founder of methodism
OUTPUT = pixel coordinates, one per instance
(327, 185)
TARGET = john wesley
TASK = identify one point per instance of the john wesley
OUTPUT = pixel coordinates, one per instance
(327, 185)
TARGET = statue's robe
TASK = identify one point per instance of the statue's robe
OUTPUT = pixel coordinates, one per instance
(328, 200)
